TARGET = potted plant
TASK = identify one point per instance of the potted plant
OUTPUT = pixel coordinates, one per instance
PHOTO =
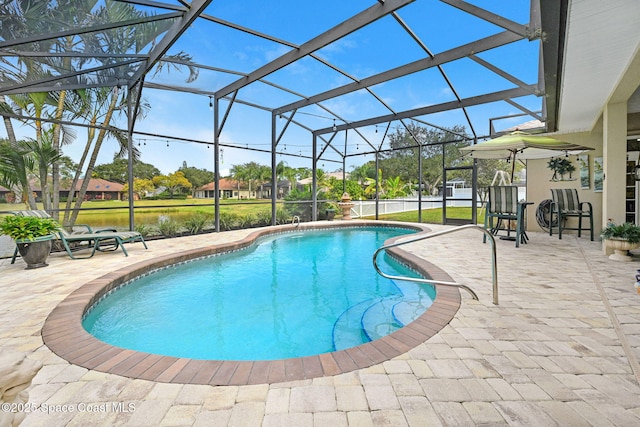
(621, 238)
(32, 235)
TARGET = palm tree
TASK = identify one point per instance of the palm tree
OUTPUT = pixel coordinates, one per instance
(44, 156)
(15, 165)
(23, 16)
(34, 104)
(263, 174)
(362, 173)
(283, 171)
(100, 105)
(239, 173)
(251, 173)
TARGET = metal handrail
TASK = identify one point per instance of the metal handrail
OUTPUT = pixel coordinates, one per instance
(295, 220)
(439, 282)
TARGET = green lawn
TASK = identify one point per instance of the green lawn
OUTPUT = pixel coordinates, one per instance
(433, 216)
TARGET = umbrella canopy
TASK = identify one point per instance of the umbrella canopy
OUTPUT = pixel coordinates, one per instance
(523, 145)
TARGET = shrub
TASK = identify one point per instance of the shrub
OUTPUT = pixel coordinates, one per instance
(229, 221)
(263, 218)
(352, 187)
(282, 217)
(302, 209)
(166, 196)
(196, 222)
(247, 221)
(168, 227)
(144, 229)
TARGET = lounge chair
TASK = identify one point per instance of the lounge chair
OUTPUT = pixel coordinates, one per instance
(116, 239)
(103, 240)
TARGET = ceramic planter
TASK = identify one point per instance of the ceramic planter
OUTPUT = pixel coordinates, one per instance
(620, 248)
(35, 252)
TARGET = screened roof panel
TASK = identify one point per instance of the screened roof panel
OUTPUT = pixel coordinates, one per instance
(483, 81)
(438, 34)
(285, 19)
(415, 90)
(216, 45)
(516, 10)
(356, 106)
(356, 61)
(520, 59)
(266, 95)
(306, 77)
(381, 46)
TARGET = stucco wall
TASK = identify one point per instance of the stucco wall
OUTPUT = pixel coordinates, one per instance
(539, 182)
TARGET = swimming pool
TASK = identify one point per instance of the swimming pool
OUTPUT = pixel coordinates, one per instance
(65, 336)
(291, 295)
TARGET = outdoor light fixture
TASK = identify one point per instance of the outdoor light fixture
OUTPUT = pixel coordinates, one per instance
(334, 125)
(210, 104)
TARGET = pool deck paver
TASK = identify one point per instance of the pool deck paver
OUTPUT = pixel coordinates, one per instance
(561, 348)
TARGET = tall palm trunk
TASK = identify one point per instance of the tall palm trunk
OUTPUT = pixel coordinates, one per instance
(57, 131)
(55, 168)
(11, 134)
(44, 188)
(72, 190)
(94, 156)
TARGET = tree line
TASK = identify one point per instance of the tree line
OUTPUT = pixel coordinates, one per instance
(397, 175)
(97, 105)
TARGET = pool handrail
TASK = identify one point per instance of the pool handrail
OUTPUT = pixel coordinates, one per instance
(494, 263)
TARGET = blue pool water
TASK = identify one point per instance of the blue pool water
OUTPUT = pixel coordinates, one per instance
(291, 295)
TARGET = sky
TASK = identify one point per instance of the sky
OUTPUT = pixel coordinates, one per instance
(371, 50)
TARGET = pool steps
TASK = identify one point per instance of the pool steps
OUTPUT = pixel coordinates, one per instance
(376, 322)
(375, 318)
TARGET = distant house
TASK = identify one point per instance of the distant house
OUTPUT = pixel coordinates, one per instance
(336, 175)
(229, 189)
(307, 182)
(284, 188)
(98, 189)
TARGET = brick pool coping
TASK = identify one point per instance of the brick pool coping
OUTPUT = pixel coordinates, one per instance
(64, 335)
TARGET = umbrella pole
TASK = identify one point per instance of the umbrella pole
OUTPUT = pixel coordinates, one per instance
(513, 171)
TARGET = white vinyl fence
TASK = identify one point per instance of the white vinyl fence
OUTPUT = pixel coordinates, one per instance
(364, 208)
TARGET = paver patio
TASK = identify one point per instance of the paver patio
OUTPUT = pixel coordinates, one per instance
(561, 348)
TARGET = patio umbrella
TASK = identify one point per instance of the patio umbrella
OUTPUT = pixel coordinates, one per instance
(522, 145)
